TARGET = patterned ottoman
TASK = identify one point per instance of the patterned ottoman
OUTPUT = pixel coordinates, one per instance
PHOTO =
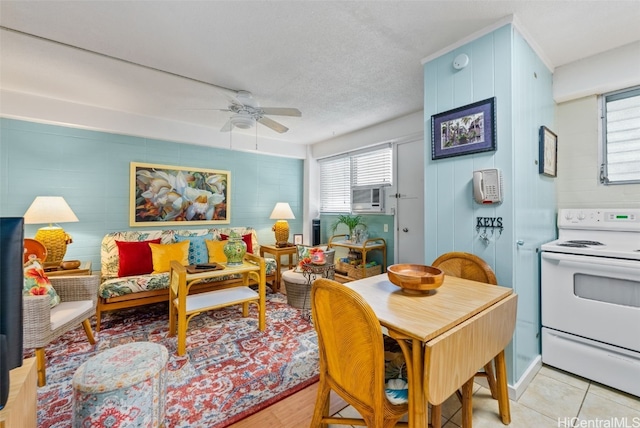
(122, 386)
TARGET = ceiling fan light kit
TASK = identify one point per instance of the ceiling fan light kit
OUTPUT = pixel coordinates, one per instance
(242, 120)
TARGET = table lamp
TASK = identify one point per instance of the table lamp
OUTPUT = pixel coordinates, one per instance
(51, 209)
(282, 212)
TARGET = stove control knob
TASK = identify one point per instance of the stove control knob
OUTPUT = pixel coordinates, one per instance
(581, 216)
(568, 215)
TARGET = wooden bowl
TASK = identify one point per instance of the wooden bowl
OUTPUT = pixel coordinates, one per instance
(70, 264)
(415, 279)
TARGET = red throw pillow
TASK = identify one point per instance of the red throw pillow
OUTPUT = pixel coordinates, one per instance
(135, 257)
(246, 238)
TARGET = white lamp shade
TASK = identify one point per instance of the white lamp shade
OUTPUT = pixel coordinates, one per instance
(49, 209)
(282, 211)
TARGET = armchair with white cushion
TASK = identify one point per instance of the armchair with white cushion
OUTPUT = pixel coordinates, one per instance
(43, 324)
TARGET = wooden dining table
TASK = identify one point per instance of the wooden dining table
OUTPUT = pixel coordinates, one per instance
(450, 330)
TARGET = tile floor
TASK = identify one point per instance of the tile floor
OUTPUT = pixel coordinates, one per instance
(553, 399)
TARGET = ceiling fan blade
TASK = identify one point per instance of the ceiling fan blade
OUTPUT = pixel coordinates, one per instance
(270, 123)
(282, 111)
(227, 126)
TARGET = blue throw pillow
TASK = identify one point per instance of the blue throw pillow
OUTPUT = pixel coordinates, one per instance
(198, 252)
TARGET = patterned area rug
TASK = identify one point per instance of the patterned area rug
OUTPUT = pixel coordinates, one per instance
(230, 371)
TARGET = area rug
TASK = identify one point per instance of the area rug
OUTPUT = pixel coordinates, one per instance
(230, 371)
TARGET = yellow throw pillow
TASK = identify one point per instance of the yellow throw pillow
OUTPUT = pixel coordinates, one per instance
(162, 254)
(216, 251)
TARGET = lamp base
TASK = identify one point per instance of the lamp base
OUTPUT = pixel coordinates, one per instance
(55, 240)
(281, 229)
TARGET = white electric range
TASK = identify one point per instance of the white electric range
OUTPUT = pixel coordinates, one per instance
(590, 296)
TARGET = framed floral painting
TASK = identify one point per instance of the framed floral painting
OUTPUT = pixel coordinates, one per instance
(175, 196)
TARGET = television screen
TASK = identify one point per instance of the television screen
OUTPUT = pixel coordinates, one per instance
(11, 283)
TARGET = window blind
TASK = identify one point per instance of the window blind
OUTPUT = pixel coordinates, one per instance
(621, 126)
(371, 168)
(339, 174)
(335, 176)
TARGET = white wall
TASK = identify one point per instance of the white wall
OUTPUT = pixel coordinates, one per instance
(578, 184)
(576, 87)
(615, 69)
(35, 108)
(402, 129)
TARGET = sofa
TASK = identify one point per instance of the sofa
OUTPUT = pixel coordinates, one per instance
(118, 290)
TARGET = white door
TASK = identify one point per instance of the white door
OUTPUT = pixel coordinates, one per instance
(409, 236)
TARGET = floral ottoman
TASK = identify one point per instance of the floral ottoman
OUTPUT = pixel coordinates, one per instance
(123, 386)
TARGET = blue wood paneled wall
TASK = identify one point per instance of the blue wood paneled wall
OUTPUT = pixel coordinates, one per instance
(502, 65)
(91, 171)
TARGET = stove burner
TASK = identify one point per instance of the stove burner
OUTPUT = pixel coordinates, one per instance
(584, 242)
(573, 245)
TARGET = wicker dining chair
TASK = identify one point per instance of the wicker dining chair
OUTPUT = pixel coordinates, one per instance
(470, 266)
(352, 362)
(43, 324)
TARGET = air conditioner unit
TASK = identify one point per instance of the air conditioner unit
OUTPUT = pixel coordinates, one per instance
(367, 199)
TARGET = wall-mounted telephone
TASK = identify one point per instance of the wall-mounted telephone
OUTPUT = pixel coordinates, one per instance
(487, 186)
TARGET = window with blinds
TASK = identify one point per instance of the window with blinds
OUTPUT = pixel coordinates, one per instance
(621, 137)
(339, 174)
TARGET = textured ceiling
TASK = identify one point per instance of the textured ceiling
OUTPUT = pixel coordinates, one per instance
(345, 64)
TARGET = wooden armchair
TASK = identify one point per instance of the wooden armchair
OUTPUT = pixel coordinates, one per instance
(351, 358)
(43, 324)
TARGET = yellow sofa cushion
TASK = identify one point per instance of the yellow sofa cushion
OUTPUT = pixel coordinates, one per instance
(162, 254)
(216, 251)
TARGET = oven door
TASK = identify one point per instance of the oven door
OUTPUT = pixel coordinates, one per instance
(593, 297)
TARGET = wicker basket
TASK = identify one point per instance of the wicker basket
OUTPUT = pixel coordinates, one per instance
(343, 267)
(298, 290)
(356, 272)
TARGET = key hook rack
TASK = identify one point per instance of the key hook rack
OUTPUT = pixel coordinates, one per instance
(487, 227)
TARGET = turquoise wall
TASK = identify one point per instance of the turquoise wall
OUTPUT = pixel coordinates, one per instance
(91, 171)
(502, 65)
(534, 196)
(375, 227)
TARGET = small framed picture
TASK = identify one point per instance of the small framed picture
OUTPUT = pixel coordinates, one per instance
(297, 238)
(464, 130)
(548, 157)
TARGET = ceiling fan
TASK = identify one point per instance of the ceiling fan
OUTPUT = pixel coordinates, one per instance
(247, 111)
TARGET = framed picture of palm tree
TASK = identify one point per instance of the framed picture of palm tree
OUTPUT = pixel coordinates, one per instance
(464, 130)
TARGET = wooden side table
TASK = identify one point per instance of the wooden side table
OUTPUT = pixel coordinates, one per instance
(83, 269)
(278, 252)
(20, 410)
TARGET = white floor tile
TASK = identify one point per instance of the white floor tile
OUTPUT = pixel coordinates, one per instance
(597, 408)
(565, 377)
(614, 395)
(553, 398)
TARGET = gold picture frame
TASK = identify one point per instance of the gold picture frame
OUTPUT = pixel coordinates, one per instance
(178, 196)
(548, 156)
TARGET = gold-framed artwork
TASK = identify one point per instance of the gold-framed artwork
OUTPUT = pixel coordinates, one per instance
(178, 196)
(548, 157)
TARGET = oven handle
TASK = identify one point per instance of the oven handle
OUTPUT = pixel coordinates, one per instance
(582, 260)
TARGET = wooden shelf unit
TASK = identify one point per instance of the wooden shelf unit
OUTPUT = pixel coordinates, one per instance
(363, 248)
